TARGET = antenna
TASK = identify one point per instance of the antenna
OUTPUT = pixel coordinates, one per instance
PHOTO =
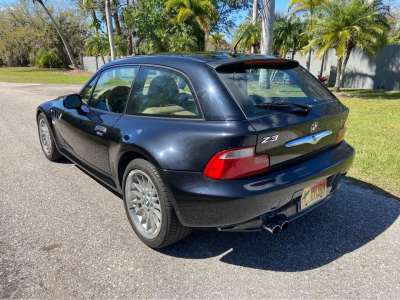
(247, 29)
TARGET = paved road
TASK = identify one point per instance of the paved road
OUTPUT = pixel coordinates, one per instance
(63, 235)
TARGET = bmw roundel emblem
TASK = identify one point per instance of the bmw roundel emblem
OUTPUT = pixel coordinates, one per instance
(314, 126)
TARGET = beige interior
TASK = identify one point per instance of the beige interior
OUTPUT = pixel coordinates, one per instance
(168, 110)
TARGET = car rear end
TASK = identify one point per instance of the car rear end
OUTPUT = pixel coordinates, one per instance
(295, 165)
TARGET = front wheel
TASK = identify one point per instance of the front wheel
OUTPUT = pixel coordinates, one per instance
(46, 139)
(148, 205)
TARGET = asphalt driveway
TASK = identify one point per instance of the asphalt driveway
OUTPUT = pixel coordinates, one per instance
(63, 235)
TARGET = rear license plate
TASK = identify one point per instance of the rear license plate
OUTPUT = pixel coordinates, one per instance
(313, 194)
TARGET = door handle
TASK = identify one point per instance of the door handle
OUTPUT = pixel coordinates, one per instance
(100, 129)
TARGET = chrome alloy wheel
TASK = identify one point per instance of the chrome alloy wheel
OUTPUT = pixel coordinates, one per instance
(143, 203)
(45, 137)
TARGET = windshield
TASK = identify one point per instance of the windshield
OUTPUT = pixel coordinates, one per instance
(251, 86)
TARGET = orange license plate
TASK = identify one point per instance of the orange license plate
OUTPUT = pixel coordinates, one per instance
(313, 194)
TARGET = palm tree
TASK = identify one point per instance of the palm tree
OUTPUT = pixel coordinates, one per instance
(98, 45)
(200, 12)
(217, 39)
(182, 42)
(110, 29)
(254, 17)
(267, 33)
(267, 28)
(65, 42)
(251, 35)
(288, 36)
(346, 24)
(90, 6)
(310, 6)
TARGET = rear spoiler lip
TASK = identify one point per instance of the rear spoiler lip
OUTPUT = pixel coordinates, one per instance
(253, 60)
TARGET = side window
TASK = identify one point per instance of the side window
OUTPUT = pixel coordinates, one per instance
(113, 88)
(162, 92)
(87, 92)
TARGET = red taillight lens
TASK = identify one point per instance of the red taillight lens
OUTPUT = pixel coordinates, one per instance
(236, 163)
(341, 134)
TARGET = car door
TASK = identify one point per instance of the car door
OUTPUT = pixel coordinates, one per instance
(86, 130)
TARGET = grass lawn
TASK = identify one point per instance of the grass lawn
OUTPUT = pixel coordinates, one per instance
(373, 129)
(35, 75)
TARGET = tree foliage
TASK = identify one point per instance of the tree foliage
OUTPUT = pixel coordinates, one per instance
(47, 59)
(289, 36)
(343, 25)
(217, 40)
(25, 29)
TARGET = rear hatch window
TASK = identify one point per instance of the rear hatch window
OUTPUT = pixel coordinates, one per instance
(255, 82)
(280, 81)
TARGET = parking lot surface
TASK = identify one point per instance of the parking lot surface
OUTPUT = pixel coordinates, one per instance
(64, 235)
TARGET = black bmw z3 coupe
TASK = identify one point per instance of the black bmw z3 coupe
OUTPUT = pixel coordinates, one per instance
(210, 140)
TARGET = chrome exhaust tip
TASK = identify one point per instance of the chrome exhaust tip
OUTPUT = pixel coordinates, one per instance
(271, 227)
(283, 223)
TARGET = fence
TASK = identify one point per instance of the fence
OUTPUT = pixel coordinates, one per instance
(362, 72)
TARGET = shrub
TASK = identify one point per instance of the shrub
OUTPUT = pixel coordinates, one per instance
(47, 59)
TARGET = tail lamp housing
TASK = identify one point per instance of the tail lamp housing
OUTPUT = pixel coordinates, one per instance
(236, 163)
(341, 134)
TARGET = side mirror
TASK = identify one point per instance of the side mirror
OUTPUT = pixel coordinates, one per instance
(73, 101)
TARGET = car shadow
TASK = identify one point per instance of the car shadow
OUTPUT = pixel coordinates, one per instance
(353, 218)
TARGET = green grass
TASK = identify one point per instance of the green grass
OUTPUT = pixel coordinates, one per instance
(35, 75)
(373, 129)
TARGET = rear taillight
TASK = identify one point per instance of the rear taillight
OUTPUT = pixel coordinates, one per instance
(236, 163)
(341, 134)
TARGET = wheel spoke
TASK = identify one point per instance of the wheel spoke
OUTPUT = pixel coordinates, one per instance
(138, 194)
(157, 222)
(140, 184)
(158, 214)
(152, 222)
(138, 187)
(157, 206)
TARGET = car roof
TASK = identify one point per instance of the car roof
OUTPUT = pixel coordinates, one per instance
(213, 59)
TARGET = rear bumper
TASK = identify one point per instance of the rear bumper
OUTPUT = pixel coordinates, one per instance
(203, 202)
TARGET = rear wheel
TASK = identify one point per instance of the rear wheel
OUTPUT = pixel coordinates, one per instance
(148, 205)
(46, 139)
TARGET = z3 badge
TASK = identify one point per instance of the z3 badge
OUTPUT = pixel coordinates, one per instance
(271, 138)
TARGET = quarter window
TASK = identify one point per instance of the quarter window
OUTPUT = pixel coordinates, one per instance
(113, 88)
(162, 92)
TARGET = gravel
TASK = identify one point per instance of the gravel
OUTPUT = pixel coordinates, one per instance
(63, 235)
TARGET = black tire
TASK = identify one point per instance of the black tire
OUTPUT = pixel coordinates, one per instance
(171, 230)
(52, 154)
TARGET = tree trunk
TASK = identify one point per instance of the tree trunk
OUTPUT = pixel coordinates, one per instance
(268, 18)
(94, 17)
(321, 71)
(130, 44)
(116, 22)
(253, 20)
(202, 40)
(338, 75)
(308, 61)
(67, 47)
(268, 15)
(110, 29)
(346, 59)
(293, 53)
